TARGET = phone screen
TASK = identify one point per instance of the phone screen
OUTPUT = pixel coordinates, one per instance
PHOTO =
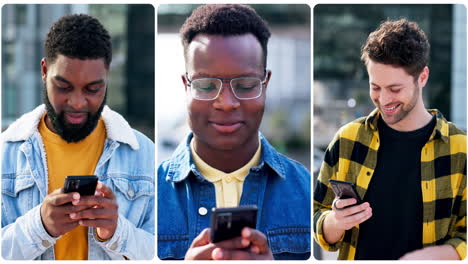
(345, 190)
(83, 184)
(227, 223)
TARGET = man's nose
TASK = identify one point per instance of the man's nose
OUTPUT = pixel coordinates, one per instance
(226, 99)
(77, 100)
(385, 97)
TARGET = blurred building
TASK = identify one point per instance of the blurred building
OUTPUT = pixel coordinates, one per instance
(131, 80)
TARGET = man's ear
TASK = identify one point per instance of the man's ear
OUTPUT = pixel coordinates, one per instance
(43, 70)
(184, 80)
(267, 79)
(423, 77)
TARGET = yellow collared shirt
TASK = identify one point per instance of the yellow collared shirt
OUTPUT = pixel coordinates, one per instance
(228, 186)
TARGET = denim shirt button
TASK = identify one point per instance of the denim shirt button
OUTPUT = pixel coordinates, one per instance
(45, 243)
(202, 211)
(130, 192)
(113, 246)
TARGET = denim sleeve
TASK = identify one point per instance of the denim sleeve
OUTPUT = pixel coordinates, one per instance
(131, 242)
(26, 238)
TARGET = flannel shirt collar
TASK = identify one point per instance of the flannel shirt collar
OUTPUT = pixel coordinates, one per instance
(441, 129)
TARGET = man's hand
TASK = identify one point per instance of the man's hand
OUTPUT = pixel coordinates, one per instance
(55, 212)
(442, 252)
(202, 249)
(102, 213)
(342, 219)
(236, 248)
(258, 250)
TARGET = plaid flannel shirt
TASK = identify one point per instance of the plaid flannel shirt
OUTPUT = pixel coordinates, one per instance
(352, 156)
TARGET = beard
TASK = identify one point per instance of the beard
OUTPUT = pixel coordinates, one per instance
(405, 108)
(72, 133)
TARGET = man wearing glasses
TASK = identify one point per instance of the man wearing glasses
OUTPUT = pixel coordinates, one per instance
(225, 162)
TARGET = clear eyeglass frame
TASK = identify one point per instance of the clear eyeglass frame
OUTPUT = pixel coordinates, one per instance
(221, 81)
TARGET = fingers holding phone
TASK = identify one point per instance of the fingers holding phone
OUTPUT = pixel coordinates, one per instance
(55, 212)
(348, 208)
(202, 248)
(347, 214)
(256, 242)
(102, 212)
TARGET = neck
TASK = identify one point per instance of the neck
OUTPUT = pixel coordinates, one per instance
(416, 119)
(226, 160)
(49, 125)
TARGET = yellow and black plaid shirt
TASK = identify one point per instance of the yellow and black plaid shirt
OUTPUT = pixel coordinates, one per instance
(352, 156)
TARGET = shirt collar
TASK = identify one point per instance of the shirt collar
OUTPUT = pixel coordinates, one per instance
(182, 164)
(441, 129)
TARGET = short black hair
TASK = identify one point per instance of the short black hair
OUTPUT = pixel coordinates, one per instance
(400, 43)
(225, 20)
(78, 36)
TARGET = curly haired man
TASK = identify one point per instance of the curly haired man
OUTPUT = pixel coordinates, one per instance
(408, 163)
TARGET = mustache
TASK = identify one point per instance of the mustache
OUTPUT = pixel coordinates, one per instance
(76, 111)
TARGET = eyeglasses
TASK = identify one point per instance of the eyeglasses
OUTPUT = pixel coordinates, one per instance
(243, 88)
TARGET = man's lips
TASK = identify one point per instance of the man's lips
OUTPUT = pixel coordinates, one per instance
(390, 109)
(226, 127)
(76, 118)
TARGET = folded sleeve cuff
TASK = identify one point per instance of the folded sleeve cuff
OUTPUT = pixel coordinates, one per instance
(459, 245)
(37, 230)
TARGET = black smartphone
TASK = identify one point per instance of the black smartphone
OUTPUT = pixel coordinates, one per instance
(227, 223)
(83, 184)
(344, 190)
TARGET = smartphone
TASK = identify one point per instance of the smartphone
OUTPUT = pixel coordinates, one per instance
(83, 184)
(227, 223)
(344, 190)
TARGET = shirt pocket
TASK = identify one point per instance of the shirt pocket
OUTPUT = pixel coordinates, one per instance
(19, 195)
(294, 240)
(172, 246)
(134, 198)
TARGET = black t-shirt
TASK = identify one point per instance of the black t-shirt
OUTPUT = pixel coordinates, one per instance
(395, 196)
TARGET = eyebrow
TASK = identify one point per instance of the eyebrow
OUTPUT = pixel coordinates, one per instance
(393, 85)
(61, 79)
(207, 75)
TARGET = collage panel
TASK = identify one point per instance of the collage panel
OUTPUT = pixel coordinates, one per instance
(389, 127)
(233, 106)
(77, 142)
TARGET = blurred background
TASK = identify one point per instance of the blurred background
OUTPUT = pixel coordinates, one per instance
(341, 89)
(287, 120)
(131, 79)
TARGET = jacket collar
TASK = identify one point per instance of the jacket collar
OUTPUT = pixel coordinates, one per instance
(181, 162)
(441, 129)
(117, 128)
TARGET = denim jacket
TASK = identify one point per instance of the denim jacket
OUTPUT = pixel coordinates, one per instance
(126, 166)
(280, 187)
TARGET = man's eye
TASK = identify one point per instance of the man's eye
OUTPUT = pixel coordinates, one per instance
(93, 90)
(207, 88)
(63, 88)
(245, 87)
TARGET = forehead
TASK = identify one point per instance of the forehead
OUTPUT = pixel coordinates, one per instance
(216, 53)
(383, 74)
(74, 69)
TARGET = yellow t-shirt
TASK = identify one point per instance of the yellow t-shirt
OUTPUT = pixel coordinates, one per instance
(65, 159)
(228, 186)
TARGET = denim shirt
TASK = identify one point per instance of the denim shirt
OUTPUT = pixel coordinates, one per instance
(126, 166)
(280, 187)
